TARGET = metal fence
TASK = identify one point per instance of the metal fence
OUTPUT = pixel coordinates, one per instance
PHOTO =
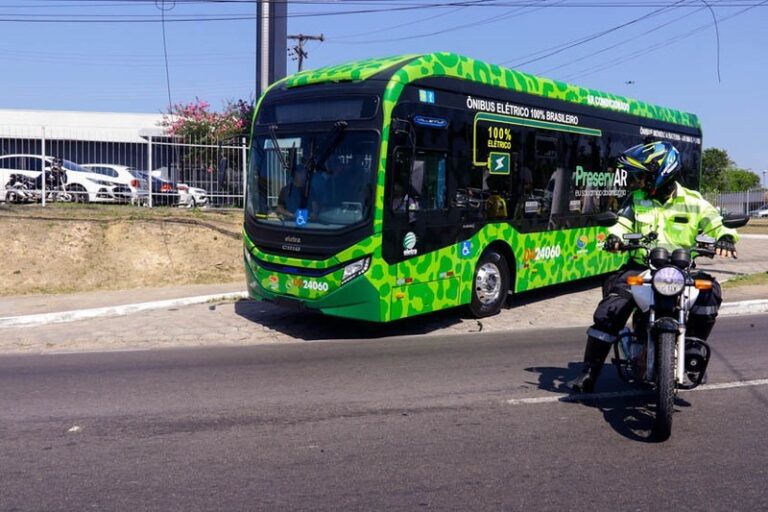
(44, 164)
(745, 202)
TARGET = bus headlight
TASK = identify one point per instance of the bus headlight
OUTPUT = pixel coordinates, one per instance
(248, 257)
(356, 268)
(668, 281)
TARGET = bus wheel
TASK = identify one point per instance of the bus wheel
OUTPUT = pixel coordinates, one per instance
(490, 284)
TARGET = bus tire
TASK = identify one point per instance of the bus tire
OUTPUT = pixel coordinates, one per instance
(490, 284)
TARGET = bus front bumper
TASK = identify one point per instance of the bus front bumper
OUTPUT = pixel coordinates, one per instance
(358, 299)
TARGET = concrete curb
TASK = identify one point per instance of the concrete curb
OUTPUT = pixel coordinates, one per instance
(127, 309)
(747, 307)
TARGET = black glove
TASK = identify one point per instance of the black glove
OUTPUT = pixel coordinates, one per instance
(725, 246)
(613, 243)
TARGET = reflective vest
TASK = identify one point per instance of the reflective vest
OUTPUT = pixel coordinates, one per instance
(677, 221)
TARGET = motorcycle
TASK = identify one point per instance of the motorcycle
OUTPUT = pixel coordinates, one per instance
(55, 183)
(20, 189)
(654, 352)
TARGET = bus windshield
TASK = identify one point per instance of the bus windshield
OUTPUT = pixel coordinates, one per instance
(319, 180)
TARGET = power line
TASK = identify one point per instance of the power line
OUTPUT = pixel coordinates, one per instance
(160, 4)
(621, 59)
(590, 55)
(594, 36)
(137, 18)
(485, 21)
(400, 25)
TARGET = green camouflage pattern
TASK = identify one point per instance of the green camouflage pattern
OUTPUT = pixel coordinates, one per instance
(347, 72)
(437, 280)
(443, 64)
(444, 278)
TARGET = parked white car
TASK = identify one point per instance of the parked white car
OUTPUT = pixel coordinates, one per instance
(122, 174)
(192, 197)
(760, 212)
(86, 186)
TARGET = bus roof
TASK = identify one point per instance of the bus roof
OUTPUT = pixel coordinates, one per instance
(408, 68)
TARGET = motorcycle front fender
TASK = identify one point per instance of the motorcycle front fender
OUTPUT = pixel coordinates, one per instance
(665, 324)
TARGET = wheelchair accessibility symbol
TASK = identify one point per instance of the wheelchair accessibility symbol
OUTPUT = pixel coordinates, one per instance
(301, 217)
(466, 249)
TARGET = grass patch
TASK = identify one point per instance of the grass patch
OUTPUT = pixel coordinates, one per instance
(113, 212)
(755, 227)
(758, 279)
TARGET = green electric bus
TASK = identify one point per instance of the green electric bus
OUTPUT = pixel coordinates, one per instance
(388, 188)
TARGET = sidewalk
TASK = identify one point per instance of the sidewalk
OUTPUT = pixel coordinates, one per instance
(38, 304)
(248, 323)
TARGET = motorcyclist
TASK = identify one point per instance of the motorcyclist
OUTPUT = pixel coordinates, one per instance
(677, 215)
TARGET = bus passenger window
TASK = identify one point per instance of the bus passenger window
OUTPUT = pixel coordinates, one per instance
(426, 189)
(429, 171)
(542, 183)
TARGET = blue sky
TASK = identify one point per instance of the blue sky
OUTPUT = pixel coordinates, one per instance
(106, 66)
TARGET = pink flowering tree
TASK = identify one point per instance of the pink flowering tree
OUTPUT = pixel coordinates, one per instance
(213, 134)
(197, 122)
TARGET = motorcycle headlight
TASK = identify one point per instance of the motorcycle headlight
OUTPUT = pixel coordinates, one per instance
(668, 281)
(355, 269)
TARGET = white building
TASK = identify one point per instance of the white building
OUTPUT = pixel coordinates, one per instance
(82, 126)
(82, 137)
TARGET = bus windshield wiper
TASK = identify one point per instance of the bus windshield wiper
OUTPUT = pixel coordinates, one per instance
(276, 146)
(315, 162)
(328, 147)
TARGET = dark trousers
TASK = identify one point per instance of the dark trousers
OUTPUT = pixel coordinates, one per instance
(617, 305)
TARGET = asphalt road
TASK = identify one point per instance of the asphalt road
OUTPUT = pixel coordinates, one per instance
(403, 423)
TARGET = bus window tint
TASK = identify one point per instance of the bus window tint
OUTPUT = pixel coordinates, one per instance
(428, 180)
(544, 183)
(420, 185)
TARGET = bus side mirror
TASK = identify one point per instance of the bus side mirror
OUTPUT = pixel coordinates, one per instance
(606, 219)
(734, 220)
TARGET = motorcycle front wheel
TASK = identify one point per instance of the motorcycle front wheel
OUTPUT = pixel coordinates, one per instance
(665, 386)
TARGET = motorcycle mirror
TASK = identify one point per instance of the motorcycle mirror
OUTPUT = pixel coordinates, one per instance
(633, 237)
(734, 220)
(606, 219)
(705, 240)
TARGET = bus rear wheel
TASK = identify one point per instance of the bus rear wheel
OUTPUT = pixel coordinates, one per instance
(490, 284)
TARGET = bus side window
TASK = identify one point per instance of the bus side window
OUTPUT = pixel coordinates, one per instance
(541, 194)
(420, 185)
(428, 180)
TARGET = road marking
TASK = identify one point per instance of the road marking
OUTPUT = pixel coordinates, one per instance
(635, 392)
(754, 237)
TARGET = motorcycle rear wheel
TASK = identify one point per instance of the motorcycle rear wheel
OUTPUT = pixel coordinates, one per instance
(665, 386)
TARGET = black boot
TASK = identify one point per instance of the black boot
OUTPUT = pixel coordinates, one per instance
(594, 357)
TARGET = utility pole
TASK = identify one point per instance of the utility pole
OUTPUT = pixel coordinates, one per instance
(298, 52)
(271, 30)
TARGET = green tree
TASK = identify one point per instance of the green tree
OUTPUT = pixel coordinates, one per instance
(738, 180)
(714, 163)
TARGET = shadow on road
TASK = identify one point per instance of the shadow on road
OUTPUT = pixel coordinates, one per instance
(630, 416)
(313, 325)
(550, 292)
(309, 324)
